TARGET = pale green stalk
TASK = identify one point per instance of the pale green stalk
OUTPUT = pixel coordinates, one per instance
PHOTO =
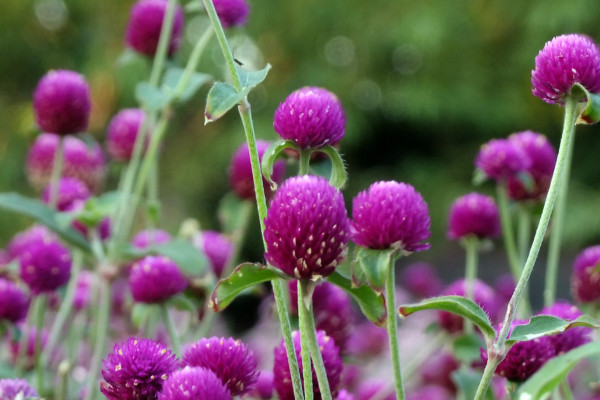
(472, 254)
(303, 320)
(524, 232)
(163, 43)
(175, 341)
(392, 328)
(304, 162)
(39, 311)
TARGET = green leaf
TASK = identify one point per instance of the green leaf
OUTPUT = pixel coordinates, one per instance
(467, 382)
(457, 305)
(270, 157)
(221, 98)
(543, 382)
(189, 259)
(590, 113)
(467, 348)
(98, 208)
(172, 78)
(338, 169)
(373, 265)
(250, 79)
(371, 303)
(233, 214)
(44, 215)
(544, 325)
(243, 277)
(151, 97)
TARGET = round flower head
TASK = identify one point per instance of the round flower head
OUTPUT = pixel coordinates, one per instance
(585, 281)
(331, 360)
(69, 190)
(502, 159)
(232, 12)
(11, 388)
(543, 157)
(194, 384)
(312, 117)
(217, 247)
(421, 280)
(573, 337)
(14, 302)
(306, 228)
(150, 237)
(390, 215)
(136, 369)
(145, 23)
(122, 132)
(155, 279)
(80, 160)
(61, 102)
(240, 171)
(473, 214)
(228, 358)
(264, 386)
(21, 242)
(45, 266)
(564, 61)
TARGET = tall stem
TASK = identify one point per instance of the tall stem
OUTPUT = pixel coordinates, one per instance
(57, 167)
(163, 43)
(523, 232)
(392, 328)
(192, 63)
(171, 328)
(39, 308)
(100, 340)
(472, 252)
(303, 315)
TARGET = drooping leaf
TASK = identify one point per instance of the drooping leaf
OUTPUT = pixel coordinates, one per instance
(457, 305)
(172, 78)
(374, 265)
(271, 155)
(151, 97)
(189, 259)
(590, 112)
(250, 79)
(338, 169)
(544, 325)
(371, 303)
(221, 98)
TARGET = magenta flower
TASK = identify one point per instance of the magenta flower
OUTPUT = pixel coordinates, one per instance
(69, 191)
(217, 248)
(232, 12)
(421, 280)
(150, 237)
(137, 369)
(264, 386)
(306, 228)
(228, 358)
(61, 102)
(563, 62)
(501, 159)
(122, 133)
(331, 360)
(22, 241)
(194, 383)
(145, 23)
(240, 171)
(390, 215)
(11, 388)
(474, 214)
(573, 337)
(45, 265)
(585, 281)
(155, 279)
(14, 302)
(312, 117)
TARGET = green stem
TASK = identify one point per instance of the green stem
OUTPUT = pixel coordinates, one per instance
(101, 329)
(163, 43)
(556, 231)
(564, 385)
(39, 308)
(192, 63)
(472, 254)
(524, 232)
(57, 168)
(488, 373)
(304, 161)
(171, 328)
(565, 142)
(392, 328)
(62, 388)
(153, 204)
(303, 319)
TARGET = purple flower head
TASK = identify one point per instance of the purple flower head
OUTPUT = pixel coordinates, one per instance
(61, 102)
(14, 302)
(433, 392)
(194, 383)
(240, 171)
(264, 386)
(155, 279)
(137, 369)
(564, 61)
(306, 228)
(390, 215)
(473, 214)
(573, 337)
(331, 360)
(543, 157)
(150, 237)
(11, 388)
(45, 266)
(217, 248)
(80, 160)
(421, 280)
(145, 23)
(69, 190)
(232, 12)
(228, 358)
(438, 369)
(585, 281)
(22, 241)
(85, 283)
(501, 159)
(122, 132)
(312, 117)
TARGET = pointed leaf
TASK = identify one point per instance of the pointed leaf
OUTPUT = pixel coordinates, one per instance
(250, 79)
(371, 303)
(173, 76)
(271, 155)
(338, 169)
(221, 98)
(544, 325)
(374, 265)
(151, 97)
(189, 259)
(243, 277)
(456, 305)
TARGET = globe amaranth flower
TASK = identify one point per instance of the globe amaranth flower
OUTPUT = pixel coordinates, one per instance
(61, 102)
(585, 280)
(306, 228)
(155, 279)
(228, 358)
(136, 369)
(150, 237)
(217, 248)
(264, 386)
(543, 158)
(122, 133)
(21, 242)
(331, 360)
(312, 117)
(474, 214)
(240, 171)
(232, 12)
(69, 191)
(82, 160)
(194, 383)
(145, 23)
(11, 388)
(45, 265)
(501, 159)
(572, 337)
(14, 302)
(421, 280)
(564, 61)
(390, 215)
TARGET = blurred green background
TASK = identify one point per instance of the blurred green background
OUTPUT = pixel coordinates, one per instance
(424, 84)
